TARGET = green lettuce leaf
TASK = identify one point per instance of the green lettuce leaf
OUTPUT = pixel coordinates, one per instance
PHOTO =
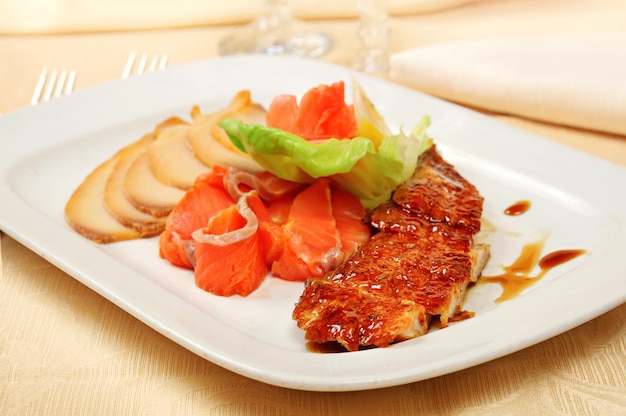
(370, 168)
(353, 164)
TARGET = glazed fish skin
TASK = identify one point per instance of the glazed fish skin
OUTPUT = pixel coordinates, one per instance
(437, 192)
(388, 290)
(418, 266)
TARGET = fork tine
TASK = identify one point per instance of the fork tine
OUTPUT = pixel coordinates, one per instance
(53, 84)
(39, 88)
(59, 85)
(163, 62)
(141, 66)
(129, 64)
(153, 63)
(143, 63)
(53, 79)
(70, 82)
(158, 62)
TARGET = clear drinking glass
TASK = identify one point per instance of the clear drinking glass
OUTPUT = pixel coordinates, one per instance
(373, 32)
(276, 32)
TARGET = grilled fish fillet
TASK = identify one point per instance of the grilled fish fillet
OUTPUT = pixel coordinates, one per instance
(418, 264)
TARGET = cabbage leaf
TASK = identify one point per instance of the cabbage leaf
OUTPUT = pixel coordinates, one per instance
(370, 168)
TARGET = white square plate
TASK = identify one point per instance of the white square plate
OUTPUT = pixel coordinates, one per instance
(577, 202)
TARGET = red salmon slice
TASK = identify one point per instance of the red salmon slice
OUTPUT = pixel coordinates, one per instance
(289, 266)
(322, 114)
(271, 187)
(271, 235)
(204, 199)
(349, 216)
(279, 209)
(272, 239)
(282, 112)
(313, 245)
(267, 185)
(229, 259)
(299, 231)
(176, 250)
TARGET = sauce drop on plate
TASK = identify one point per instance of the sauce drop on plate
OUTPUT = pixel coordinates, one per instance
(518, 208)
(516, 277)
(558, 257)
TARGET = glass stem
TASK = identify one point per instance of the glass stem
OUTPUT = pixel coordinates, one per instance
(373, 33)
(275, 16)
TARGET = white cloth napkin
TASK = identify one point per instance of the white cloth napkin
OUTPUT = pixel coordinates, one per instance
(575, 80)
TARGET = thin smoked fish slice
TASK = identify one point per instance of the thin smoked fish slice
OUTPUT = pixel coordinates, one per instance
(116, 199)
(86, 212)
(313, 245)
(229, 259)
(146, 192)
(211, 144)
(349, 216)
(192, 212)
(172, 159)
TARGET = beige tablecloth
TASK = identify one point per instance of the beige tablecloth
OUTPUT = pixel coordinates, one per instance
(65, 350)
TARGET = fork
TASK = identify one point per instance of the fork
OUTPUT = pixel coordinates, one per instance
(157, 62)
(57, 84)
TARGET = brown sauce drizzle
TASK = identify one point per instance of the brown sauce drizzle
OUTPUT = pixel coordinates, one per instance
(516, 279)
(330, 347)
(558, 257)
(518, 208)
